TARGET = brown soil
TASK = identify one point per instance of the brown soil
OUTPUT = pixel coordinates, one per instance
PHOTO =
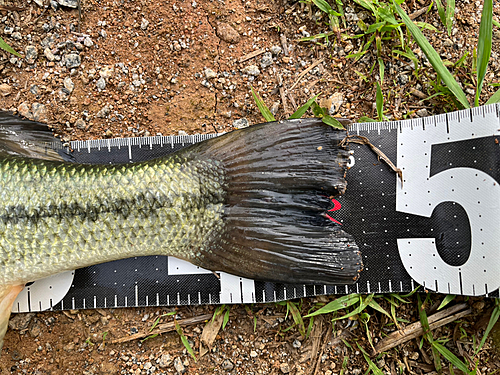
(163, 87)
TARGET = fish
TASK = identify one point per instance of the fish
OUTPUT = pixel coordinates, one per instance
(253, 202)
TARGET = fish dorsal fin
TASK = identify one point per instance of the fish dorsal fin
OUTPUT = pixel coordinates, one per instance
(26, 138)
(8, 294)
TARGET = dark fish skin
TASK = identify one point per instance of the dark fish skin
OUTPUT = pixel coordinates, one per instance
(251, 203)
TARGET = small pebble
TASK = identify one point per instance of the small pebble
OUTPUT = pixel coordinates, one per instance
(101, 83)
(68, 84)
(179, 367)
(240, 123)
(210, 74)
(31, 53)
(251, 70)
(227, 365)
(253, 354)
(73, 60)
(275, 50)
(422, 113)
(227, 33)
(285, 368)
(5, 89)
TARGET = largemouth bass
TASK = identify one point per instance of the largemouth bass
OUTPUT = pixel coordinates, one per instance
(251, 203)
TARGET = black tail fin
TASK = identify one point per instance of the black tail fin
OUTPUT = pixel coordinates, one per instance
(281, 179)
(26, 138)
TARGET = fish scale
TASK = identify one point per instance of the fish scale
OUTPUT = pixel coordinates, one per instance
(122, 223)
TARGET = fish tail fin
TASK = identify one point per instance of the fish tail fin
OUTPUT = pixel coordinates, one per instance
(8, 295)
(280, 181)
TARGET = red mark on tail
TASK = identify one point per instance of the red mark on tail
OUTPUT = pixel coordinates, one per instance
(336, 206)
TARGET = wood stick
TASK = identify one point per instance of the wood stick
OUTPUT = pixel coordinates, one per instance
(307, 70)
(163, 328)
(415, 329)
(251, 55)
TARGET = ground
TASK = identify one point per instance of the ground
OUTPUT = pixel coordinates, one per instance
(138, 68)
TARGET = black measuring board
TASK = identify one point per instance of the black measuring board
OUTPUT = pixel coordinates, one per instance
(436, 228)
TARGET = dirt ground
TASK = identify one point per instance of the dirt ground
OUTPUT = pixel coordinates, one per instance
(137, 68)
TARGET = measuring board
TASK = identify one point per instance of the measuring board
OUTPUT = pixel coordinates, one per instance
(438, 228)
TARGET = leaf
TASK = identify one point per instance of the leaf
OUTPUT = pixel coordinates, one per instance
(433, 58)
(484, 46)
(297, 318)
(323, 6)
(266, 113)
(366, 4)
(381, 69)
(450, 14)
(374, 305)
(495, 98)
(441, 11)
(300, 112)
(226, 317)
(446, 301)
(372, 366)
(366, 119)
(380, 103)
(184, 340)
(452, 358)
(335, 305)
(357, 310)
(333, 122)
(317, 110)
(493, 319)
(6, 47)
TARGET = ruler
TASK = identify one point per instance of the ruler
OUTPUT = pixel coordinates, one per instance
(438, 228)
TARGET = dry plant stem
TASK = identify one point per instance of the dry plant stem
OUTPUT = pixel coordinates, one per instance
(418, 13)
(251, 55)
(286, 110)
(417, 93)
(163, 328)
(365, 141)
(326, 338)
(284, 44)
(415, 329)
(307, 70)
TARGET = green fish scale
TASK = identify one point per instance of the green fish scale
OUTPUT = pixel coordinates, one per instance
(61, 216)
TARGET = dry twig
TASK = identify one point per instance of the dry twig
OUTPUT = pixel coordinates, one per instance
(163, 328)
(365, 141)
(415, 329)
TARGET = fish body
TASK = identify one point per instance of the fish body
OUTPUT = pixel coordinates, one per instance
(252, 203)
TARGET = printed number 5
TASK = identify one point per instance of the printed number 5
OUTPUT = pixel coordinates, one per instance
(477, 192)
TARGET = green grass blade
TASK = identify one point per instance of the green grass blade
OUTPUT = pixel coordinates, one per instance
(300, 112)
(366, 119)
(339, 303)
(333, 122)
(372, 366)
(6, 47)
(381, 69)
(374, 305)
(452, 358)
(450, 14)
(226, 317)
(184, 340)
(441, 11)
(496, 23)
(434, 58)
(266, 113)
(495, 98)
(493, 319)
(323, 6)
(484, 46)
(297, 318)
(446, 301)
(380, 103)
